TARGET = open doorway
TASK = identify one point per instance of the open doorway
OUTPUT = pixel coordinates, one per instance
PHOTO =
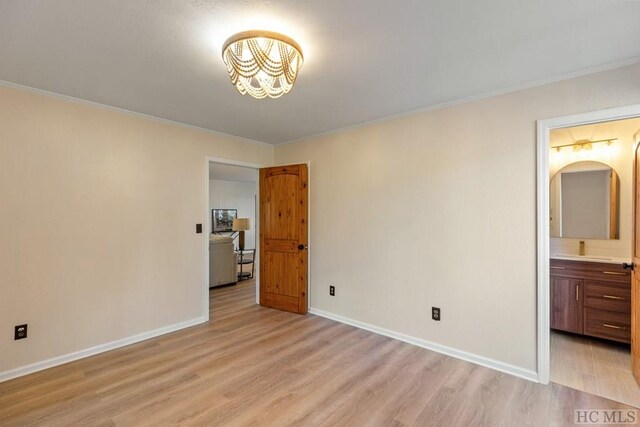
(591, 173)
(232, 257)
(585, 241)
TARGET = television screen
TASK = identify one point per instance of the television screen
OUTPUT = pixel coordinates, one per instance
(222, 219)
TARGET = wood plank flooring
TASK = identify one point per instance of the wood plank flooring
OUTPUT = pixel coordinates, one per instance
(259, 367)
(595, 366)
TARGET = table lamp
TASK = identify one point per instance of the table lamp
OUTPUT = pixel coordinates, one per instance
(241, 225)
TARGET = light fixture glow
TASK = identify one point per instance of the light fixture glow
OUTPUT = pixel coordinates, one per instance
(584, 145)
(262, 63)
(585, 149)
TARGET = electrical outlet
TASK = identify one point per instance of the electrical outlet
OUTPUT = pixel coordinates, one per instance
(332, 291)
(436, 313)
(20, 332)
(198, 228)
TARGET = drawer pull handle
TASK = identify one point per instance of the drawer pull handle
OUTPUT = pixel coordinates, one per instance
(606, 325)
(612, 297)
(577, 291)
(614, 273)
(558, 268)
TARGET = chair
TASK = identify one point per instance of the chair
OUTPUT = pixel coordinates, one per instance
(222, 261)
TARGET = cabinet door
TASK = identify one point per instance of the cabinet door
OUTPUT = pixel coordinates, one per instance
(566, 304)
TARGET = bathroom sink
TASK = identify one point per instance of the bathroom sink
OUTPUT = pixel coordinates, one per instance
(592, 258)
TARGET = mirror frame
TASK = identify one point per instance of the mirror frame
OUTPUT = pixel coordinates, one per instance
(614, 202)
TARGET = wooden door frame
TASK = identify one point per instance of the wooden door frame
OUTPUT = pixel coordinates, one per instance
(207, 217)
(544, 127)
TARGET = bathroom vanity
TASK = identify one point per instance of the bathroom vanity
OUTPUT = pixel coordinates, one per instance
(591, 296)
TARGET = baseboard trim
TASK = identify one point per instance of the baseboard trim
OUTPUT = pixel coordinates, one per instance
(438, 348)
(81, 354)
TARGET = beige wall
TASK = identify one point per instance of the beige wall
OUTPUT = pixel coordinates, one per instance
(97, 214)
(438, 209)
(97, 223)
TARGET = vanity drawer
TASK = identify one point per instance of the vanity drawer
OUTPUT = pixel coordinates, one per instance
(607, 324)
(590, 270)
(607, 296)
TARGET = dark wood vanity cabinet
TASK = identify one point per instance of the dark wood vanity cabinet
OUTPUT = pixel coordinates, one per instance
(566, 304)
(591, 298)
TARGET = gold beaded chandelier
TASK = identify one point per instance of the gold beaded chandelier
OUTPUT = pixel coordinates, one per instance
(262, 63)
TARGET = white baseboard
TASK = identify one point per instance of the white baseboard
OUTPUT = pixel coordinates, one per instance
(81, 354)
(438, 348)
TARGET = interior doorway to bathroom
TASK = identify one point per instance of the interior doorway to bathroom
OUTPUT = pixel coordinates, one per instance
(232, 256)
(589, 197)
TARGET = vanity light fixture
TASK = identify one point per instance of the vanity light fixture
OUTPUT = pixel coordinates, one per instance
(262, 63)
(584, 144)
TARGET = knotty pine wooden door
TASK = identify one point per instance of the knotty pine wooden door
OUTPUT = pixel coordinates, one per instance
(284, 238)
(635, 274)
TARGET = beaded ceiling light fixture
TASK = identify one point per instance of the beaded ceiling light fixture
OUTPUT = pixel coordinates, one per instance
(262, 63)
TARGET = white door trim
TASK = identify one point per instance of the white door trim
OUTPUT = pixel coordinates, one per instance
(542, 222)
(207, 217)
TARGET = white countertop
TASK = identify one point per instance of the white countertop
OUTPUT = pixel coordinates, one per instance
(591, 258)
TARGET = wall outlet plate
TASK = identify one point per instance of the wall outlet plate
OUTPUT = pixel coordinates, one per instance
(198, 228)
(332, 291)
(436, 313)
(20, 332)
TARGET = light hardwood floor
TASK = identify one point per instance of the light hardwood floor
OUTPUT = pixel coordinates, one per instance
(256, 366)
(595, 366)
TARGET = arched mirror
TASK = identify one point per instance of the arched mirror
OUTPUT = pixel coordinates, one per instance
(585, 202)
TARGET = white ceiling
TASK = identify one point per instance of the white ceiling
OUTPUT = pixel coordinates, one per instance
(364, 59)
(224, 172)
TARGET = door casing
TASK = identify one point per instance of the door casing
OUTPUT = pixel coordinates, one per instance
(207, 217)
(544, 127)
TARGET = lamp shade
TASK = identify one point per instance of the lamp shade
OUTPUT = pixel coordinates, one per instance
(241, 224)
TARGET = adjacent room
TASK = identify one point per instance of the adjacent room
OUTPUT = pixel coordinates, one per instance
(233, 194)
(591, 213)
(276, 212)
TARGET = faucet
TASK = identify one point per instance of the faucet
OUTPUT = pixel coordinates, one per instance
(581, 252)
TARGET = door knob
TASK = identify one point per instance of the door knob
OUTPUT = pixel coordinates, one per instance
(627, 266)
(301, 247)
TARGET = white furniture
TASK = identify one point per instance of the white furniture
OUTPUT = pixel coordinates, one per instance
(222, 261)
